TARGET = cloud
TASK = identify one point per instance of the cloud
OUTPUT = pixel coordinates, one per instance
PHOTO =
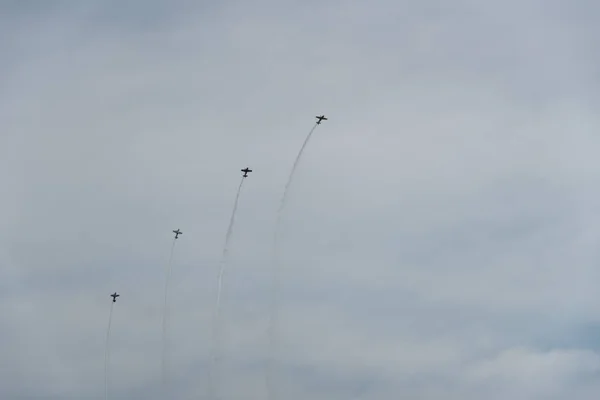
(440, 235)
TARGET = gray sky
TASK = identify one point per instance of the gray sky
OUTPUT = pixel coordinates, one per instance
(440, 239)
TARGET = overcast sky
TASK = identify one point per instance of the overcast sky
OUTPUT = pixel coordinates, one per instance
(440, 239)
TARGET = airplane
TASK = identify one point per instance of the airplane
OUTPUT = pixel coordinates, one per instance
(245, 171)
(177, 233)
(114, 296)
(320, 118)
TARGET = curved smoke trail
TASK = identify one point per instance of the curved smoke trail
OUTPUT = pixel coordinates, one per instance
(274, 315)
(165, 315)
(216, 312)
(107, 351)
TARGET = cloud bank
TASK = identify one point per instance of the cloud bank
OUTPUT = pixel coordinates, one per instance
(440, 238)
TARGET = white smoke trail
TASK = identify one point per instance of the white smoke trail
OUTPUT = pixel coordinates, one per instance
(274, 311)
(107, 351)
(216, 313)
(165, 317)
(292, 173)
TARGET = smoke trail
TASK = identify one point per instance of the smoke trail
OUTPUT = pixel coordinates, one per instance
(107, 351)
(165, 315)
(292, 173)
(216, 313)
(274, 315)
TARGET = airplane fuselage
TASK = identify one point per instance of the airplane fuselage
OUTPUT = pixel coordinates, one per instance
(245, 171)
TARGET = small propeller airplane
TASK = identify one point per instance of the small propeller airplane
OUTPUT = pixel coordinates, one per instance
(114, 296)
(245, 171)
(177, 233)
(320, 118)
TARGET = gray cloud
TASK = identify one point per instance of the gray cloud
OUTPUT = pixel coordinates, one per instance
(440, 236)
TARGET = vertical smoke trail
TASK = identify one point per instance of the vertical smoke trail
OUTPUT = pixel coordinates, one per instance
(107, 352)
(164, 319)
(274, 315)
(216, 312)
(292, 173)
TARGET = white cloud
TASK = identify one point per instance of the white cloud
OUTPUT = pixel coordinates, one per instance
(439, 236)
